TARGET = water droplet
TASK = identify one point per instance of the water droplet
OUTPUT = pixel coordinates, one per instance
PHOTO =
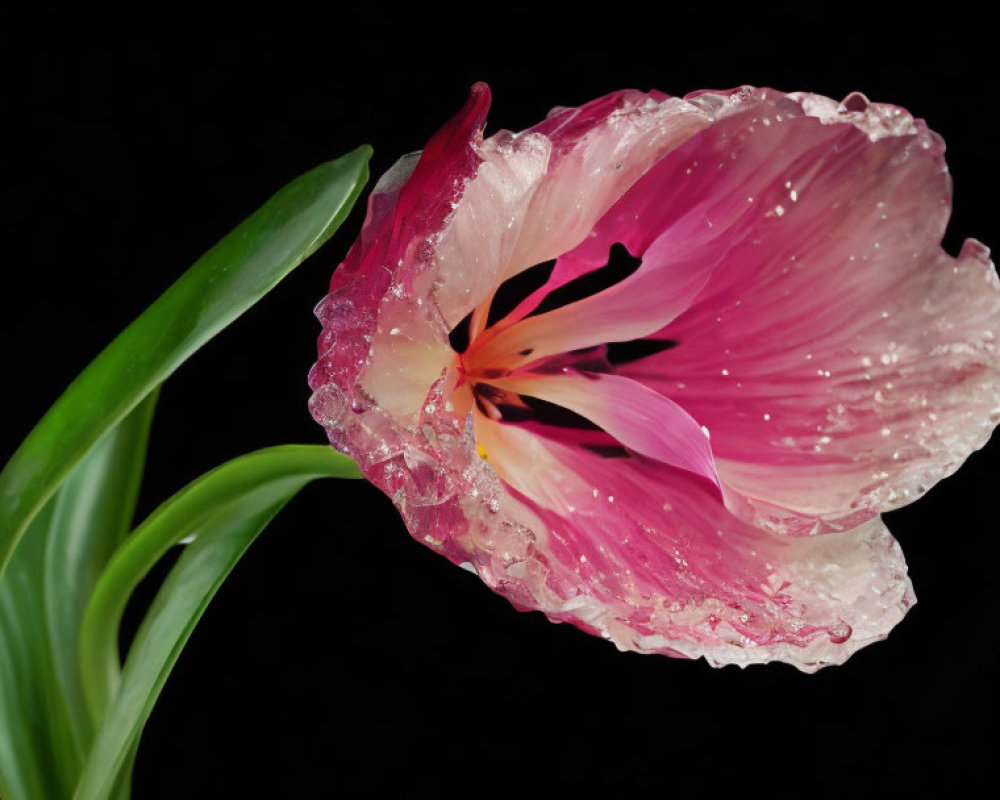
(328, 405)
(840, 632)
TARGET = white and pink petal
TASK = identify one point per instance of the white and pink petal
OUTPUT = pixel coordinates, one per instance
(842, 362)
(647, 556)
(539, 193)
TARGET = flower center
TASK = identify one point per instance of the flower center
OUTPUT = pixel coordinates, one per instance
(488, 348)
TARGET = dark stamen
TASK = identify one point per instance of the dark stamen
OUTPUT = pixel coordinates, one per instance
(514, 290)
(623, 352)
(459, 336)
(620, 265)
(607, 450)
(550, 414)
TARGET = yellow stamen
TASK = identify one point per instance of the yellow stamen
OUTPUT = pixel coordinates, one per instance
(481, 451)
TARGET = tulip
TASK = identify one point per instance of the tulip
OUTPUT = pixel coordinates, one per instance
(737, 342)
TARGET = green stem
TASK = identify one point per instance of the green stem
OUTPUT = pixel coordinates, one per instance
(176, 519)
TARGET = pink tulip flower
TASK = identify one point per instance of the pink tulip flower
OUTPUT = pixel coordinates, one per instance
(809, 357)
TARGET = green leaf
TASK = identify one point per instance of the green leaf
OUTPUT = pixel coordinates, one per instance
(44, 729)
(29, 769)
(224, 510)
(221, 285)
(92, 513)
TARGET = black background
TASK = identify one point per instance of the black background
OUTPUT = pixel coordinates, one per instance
(341, 656)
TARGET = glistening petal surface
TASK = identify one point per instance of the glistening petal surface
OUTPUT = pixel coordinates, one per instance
(822, 360)
(842, 361)
(647, 556)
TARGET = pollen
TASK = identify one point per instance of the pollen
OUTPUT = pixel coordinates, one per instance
(482, 452)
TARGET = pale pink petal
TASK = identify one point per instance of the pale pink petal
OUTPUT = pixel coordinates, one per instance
(842, 362)
(639, 418)
(475, 247)
(537, 194)
(599, 151)
(671, 276)
(676, 224)
(684, 217)
(648, 557)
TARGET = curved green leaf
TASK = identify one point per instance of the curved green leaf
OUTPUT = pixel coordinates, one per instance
(221, 285)
(44, 728)
(29, 769)
(224, 510)
(92, 513)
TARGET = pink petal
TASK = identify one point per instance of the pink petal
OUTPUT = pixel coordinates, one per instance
(647, 556)
(671, 276)
(663, 204)
(683, 218)
(599, 151)
(375, 331)
(841, 360)
(639, 418)
(539, 193)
